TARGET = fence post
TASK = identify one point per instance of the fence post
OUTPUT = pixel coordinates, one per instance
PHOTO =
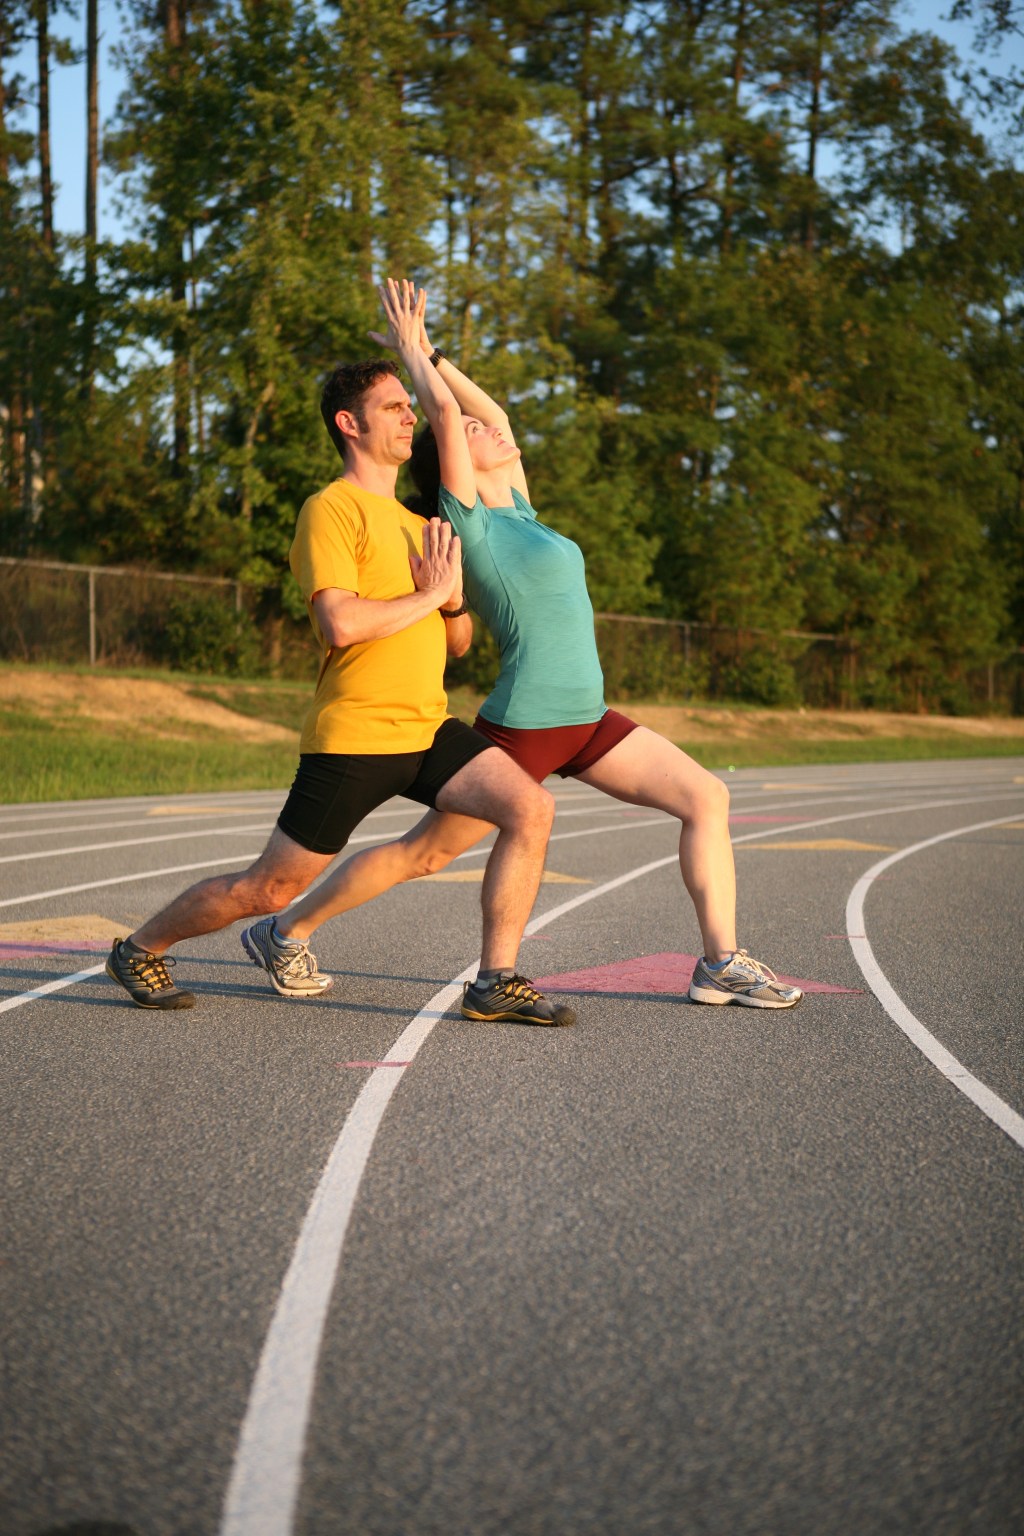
(92, 616)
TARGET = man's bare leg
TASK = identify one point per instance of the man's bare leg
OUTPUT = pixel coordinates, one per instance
(493, 788)
(279, 874)
(645, 769)
(435, 840)
(283, 869)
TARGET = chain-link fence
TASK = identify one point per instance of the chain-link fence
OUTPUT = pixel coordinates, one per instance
(113, 617)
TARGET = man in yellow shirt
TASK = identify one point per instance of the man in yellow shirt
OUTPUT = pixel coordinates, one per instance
(384, 596)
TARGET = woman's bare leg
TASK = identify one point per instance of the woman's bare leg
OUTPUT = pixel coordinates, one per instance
(436, 839)
(645, 769)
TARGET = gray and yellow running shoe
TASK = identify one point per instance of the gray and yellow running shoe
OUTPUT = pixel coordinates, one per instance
(145, 977)
(288, 962)
(741, 980)
(511, 999)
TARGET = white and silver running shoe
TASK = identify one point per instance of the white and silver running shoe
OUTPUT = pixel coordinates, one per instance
(291, 967)
(742, 980)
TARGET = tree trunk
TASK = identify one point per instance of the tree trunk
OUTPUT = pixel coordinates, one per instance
(175, 16)
(45, 166)
(92, 155)
(808, 231)
(92, 133)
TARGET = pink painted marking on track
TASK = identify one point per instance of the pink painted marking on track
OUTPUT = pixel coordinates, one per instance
(30, 951)
(667, 973)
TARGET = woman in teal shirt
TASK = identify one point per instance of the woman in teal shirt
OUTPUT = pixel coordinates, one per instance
(547, 708)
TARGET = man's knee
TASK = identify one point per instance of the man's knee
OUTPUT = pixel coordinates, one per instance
(532, 811)
(263, 889)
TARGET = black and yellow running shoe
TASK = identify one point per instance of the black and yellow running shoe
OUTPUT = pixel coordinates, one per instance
(145, 977)
(511, 999)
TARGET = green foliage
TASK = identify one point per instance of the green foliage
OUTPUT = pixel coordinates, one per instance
(200, 634)
(747, 277)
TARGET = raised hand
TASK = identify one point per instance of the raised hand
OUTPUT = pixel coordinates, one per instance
(404, 310)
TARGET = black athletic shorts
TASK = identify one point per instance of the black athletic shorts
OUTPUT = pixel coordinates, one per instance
(333, 791)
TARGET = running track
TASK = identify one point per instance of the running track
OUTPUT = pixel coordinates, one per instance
(359, 1268)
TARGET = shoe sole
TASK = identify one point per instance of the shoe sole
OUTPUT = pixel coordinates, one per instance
(707, 995)
(516, 1018)
(181, 1000)
(257, 959)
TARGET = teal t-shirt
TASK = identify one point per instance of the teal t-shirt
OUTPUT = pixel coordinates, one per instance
(529, 587)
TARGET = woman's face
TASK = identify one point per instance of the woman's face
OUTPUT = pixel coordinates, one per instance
(488, 447)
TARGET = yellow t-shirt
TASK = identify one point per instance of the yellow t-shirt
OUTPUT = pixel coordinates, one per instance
(385, 695)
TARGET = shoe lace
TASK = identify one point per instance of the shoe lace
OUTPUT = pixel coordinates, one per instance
(755, 967)
(518, 987)
(152, 971)
(301, 963)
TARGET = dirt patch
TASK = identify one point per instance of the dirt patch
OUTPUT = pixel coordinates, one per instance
(172, 712)
(149, 708)
(705, 724)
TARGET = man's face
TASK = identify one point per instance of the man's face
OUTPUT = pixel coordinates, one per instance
(389, 420)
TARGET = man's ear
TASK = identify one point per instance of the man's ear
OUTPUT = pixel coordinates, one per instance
(346, 423)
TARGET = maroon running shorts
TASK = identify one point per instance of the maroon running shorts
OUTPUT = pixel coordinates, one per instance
(567, 750)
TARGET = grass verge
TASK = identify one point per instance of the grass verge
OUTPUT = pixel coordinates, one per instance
(57, 750)
(43, 764)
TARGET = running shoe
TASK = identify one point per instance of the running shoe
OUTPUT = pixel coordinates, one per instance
(742, 980)
(145, 977)
(292, 969)
(511, 999)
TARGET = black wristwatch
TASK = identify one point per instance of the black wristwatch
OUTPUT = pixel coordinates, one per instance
(436, 356)
(454, 613)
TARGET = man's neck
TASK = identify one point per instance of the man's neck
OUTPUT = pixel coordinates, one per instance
(380, 479)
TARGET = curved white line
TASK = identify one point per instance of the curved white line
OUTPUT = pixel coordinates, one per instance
(267, 1470)
(135, 842)
(989, 1103)
(266, 1474)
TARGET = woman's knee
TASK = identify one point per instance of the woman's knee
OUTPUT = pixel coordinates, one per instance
(711, 799)
(426, 861)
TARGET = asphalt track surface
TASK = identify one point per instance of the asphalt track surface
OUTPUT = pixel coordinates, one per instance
(678, 1269)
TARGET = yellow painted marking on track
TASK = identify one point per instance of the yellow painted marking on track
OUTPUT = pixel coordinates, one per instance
(474, 876)
(62, 930)
(797, 787)
(1012, 826)
(827, 845)
(201, 810)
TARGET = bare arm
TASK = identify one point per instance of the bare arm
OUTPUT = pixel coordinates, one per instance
(404, 310)
(474, 401)
(459, 635)
(345, 618)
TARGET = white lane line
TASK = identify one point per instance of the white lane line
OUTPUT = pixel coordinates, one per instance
(267, 1470)
(203, 829)
(266, 1474)
(136, 842)
(982, 1097)
(51, 986)
(62, 810)
(141, 876)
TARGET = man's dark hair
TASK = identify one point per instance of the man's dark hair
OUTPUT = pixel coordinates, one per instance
(346, 389)
(425, 468)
